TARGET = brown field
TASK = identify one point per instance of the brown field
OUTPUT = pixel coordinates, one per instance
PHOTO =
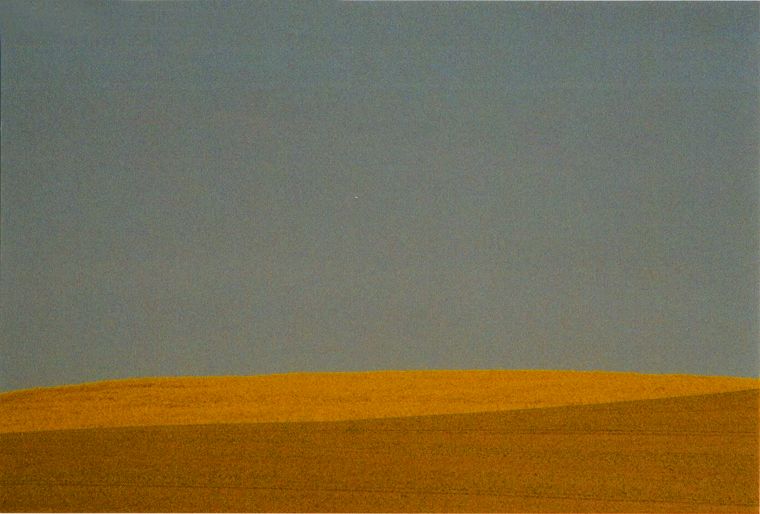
(386, 441)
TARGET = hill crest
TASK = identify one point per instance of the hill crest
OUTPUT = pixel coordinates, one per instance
(333, 396)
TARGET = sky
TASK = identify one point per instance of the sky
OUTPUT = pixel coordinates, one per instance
(237, 188)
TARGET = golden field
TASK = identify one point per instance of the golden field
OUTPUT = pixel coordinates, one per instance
(500, 441)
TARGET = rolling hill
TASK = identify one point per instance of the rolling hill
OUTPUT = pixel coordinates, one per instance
(527, 441)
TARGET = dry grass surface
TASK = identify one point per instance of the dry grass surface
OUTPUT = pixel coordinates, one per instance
(693, 452)
(332, 396)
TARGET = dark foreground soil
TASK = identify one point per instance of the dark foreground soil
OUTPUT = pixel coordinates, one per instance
(686, 454)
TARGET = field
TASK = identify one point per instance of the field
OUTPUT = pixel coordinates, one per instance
(385, 441)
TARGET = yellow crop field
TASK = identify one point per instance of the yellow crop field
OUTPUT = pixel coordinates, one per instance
(464, 441)
(333, 396)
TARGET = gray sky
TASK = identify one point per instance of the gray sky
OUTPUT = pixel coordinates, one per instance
(247, 187)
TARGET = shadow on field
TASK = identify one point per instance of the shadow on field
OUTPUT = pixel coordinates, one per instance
(685, 454)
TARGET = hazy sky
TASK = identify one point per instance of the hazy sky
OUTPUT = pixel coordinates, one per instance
(248, 187)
